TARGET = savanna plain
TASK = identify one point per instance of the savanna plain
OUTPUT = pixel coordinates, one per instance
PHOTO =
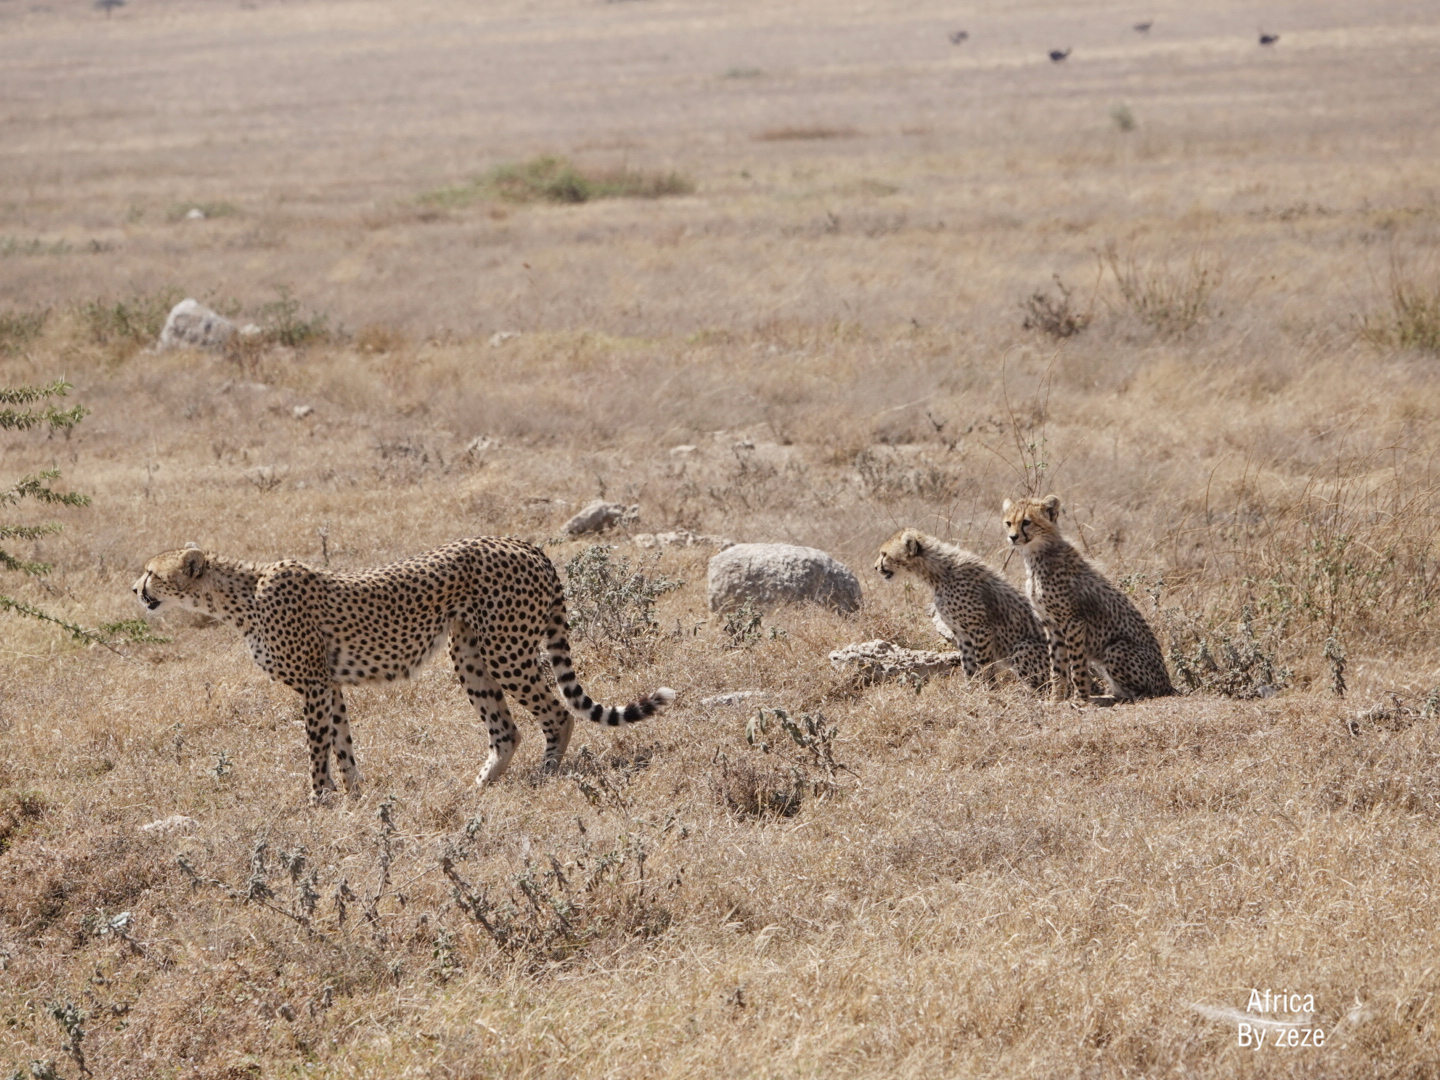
(805, 273)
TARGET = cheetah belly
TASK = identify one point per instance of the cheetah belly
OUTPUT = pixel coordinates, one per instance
(384, 656)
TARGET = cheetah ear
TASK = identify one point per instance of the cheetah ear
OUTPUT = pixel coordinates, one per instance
(192, 561)
(1052, 507)
(912, 545)
(1007, 507)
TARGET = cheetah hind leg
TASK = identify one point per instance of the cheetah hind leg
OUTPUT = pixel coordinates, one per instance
(343, 747)
(488, 699)
(558, 722)
(320, 734)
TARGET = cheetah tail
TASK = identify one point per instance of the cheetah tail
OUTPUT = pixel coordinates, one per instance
(579, 702)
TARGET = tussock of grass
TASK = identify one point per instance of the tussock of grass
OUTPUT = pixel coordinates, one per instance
(558, 180)
(18, 329)
(805, 132)
(1411, 317)
(1170, 301)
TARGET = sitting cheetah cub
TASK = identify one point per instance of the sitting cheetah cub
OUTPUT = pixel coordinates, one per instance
(1087, 619)
(991, 621)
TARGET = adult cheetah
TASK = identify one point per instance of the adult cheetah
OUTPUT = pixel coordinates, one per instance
(1087, 619)
(991, 621)
(499, 600)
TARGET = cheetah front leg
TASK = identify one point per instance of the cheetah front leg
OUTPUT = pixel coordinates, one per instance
(1059, 664)
(485, 695)
(1077, 665)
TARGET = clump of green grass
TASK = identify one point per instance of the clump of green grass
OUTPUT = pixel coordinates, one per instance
(805, 133)
(122, 326)
(13, 246)
(1410, 318)
(553, 179)
(20, 328)
(282, 323)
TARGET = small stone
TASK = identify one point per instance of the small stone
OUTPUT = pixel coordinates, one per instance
(172, 824)
(302, 411)
(734, 697)
(195, 214)
(599, 516)
(501, 336)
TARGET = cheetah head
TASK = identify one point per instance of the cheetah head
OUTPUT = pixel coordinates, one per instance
(1030, 520)
(171, 575)
(897, 552)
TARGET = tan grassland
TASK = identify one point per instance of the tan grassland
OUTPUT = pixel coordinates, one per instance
(992, 885)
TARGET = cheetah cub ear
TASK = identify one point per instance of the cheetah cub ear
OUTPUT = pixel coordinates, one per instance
(1007, 507)
(912, 545)
(1052, 507)
(192, 561)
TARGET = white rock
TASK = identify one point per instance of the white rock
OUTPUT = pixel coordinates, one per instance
(683, 450)
(195, 214)
(599, 516)
(501, 336)
(481, 443)
(173, 823)
(191, 325)
(765, 575)
(302, 411)
(877, 660)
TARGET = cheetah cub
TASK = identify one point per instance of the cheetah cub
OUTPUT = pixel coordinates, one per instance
(1087, 619)
(991, 621)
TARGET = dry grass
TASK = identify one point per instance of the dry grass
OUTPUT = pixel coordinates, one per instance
(961, 881)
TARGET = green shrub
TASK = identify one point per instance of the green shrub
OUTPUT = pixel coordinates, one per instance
(548, 178)
(613, 605)
(123, 326)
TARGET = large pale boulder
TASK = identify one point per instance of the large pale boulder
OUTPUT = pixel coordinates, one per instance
(191, 325)
(765, 575)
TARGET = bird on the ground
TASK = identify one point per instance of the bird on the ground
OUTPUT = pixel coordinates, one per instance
(957, 36)
(1269, 39)
(1056, 55)
(1143, 27)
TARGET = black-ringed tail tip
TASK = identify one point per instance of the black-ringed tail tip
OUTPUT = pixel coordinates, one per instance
(637, 710)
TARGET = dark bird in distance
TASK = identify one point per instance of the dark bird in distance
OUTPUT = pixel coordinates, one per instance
(1269, 39)
(1143, 27)
(957, 36)
(1056, 55)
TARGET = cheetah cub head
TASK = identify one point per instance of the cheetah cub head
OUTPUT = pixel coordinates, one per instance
(171, 575)
(1032, 520)
(899, 552)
